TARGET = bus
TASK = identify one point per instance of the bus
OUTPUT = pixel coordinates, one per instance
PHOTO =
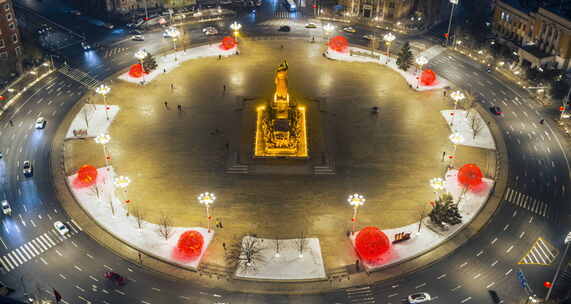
(290, 5)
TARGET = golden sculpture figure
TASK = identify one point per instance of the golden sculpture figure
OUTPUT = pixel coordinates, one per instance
(281, 81)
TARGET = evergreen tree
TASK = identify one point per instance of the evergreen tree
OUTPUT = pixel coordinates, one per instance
(405, 57)
(149, 63)
(445, 211)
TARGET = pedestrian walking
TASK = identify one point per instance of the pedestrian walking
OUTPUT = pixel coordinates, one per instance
(443, 155)
(282, 46)
(165, 70)
(444, 93)
(224, 246)
(219, 57)
(220, 224)
(224, 88)
(357, 266)
(11, 123)
(227, 147)
(542, 121)
(179, 108)
(172, 86)
(166, 105)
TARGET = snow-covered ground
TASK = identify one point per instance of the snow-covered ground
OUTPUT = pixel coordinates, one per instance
(410, 76)
(97, 122)
(147, 239)
(461, 122)
(428, 238)
(171, 61)
(289, 265)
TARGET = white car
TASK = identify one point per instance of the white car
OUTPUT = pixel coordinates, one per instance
(138, 38)
(349, 29)
(61, 228)
(27, 168)
(420, 297)
(210, 30)
(40, 123)
(6, 209)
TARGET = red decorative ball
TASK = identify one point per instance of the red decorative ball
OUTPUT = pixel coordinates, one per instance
(87, 175)
(428, 77)
(136, 70)
(371, 243)
(339, 44)
(189, 245)
(470, 176)
(227, 43)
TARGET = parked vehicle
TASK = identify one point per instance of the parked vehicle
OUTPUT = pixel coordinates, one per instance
(311, 25)
(349, 29)
(138, 38)
(6, 209)
(284, 28)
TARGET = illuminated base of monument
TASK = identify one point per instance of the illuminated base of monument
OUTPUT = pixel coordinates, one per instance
(279, 142)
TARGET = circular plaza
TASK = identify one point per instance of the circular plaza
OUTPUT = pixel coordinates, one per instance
(179, 135)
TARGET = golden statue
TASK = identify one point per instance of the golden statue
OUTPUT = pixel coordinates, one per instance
(281, 129)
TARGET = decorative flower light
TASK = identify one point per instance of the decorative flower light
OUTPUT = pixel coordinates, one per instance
(121, 182)
(457, 96)
(421, 61)
(356, 200)
(456, 138)
(235, 26)
(103, 90)
(206, 199)
(437, 183)
(329, 27)
(141, 54)
(102, 139)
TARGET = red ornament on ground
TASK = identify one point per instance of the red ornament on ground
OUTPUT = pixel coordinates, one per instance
(189, 246)
(228, 43)
(86, 176)
(428, 77)
(547, 284)
(136, 71)
(371, 243)
(339, 44)
(470, 176)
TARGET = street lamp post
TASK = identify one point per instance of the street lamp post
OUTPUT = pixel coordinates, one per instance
(140, 55)
(328, 29)
(104, 90)
(421, 61)
(456, 96)
(122, 182)
(174, 33)
(437, 184)
(206, 199)
(454, 3)
(356, 200)
(235, 26)
(456, 139)
(389, 38)
(567, 242)
(103, 139)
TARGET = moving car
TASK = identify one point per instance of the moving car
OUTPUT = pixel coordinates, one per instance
(40, 123)
(85, 46)
(27, 168)
(115, 277)
(495, 297)
(61, 228)
(349, 29)
(109, 26)
(136, 32)
(210, 31)
(311, 25)
(138, 38)
(6, 209)
(496, 110)
(75, 12)
(420, 297)
(284, 28)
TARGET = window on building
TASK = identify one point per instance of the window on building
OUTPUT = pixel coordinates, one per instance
(15, 38)
(3, 54)
(19, 51)
(2, 45)
(9, 16)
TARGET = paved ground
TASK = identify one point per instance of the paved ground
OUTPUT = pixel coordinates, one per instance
(172, 157)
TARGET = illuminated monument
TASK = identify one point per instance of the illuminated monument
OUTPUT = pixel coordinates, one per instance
(281, 129)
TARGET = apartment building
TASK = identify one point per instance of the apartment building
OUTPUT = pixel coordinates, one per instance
(10, 40)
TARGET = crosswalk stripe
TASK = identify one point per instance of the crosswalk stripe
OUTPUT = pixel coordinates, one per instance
(18, 253)
(50, 239)
(29, 248)
(5, 265)
(540, 253)
(76, 224)
(33, 248)
(14, 257)
(72, 227)
(7, 260)
(39, 241)
(25, 252)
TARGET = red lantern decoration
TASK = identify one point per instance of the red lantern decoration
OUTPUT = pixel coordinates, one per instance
(470, 176)
(189, 246)
(428, 77)
(136, 70)
(87, 175)
(228, 43)
(371, 243)
(339, 44)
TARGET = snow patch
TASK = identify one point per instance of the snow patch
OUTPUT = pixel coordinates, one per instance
(461, 123)
(171, 61)
(409, 76)
(125, 227)
(97, 122)
(288, 265)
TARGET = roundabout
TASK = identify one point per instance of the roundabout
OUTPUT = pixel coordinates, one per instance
(174, 138)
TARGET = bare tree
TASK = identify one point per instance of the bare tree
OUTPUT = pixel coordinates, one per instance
(421, 214)
(110, 199)
(301, 243)
(476, 124)
(165, 228)
(95, 190)
(137, 212)
(245, 255)
(86, 116)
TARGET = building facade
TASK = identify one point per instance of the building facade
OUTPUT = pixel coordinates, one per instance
(129, 6)
(11, 50)
(542, 37)
(392, 10)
